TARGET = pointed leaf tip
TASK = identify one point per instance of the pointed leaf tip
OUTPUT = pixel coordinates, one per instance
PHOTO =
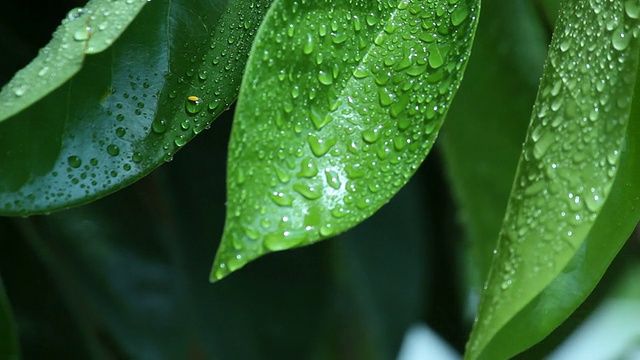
(339, 105)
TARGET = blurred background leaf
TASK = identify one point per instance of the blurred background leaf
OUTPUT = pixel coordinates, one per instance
(9, 348)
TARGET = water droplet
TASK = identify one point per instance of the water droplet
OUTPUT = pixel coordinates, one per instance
(632, 8)
(318, 120)
(459, 15)
(74, 161)
(193, 105)
(372, 135)
(308, 168)
(180, 140)
(619, 39)
(325, 78)
(136, 157)
(281, 241)
(319, 146)
(332, 178)
(354, 171)
(82, 34)
(236, 262)
(113, 150)
(43, 71)
(435, 57)
(20, 90)
(159, 126)
(281, 199)
(542, 145)
(309, 45)
(309, 192)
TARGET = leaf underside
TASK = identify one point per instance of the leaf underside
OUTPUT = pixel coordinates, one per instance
(130, 108)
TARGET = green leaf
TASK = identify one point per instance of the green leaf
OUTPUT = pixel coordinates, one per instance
(8, 335)
(575, 198)
(87, 30)
(130, 108)
(488, 162)
(340, 104)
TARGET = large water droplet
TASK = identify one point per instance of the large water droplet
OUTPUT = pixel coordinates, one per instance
(620, 39)
(282, 199)
(113, 150)
(74, 161)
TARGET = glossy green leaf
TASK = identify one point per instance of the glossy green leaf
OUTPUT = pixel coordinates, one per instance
(575, 198)
(8, 334)
(488, 162)
(130, 108)
(340, 104)
(86, 30)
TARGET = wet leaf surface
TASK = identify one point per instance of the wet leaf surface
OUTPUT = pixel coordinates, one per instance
(574, 201)
(340, 104)
(86, 30)
(130, 109)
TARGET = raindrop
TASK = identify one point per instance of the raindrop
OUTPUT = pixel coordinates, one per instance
(308, 168)
(159, 126)
(113, 150)
(332, 178)
(632, 8)
(74, 161)
(309, 192)
(20, 90)
(281, 199)
(619, 39)
(325, 78)
(319, 146)
(281, 241)
(193, 105)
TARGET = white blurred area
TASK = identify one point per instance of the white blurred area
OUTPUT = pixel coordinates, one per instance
(611, 333)
(422, 343)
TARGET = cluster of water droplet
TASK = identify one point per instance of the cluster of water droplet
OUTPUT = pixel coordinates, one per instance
(573, 146)
(341, 104)
(576, 135)
(205, 78)
(143, 118)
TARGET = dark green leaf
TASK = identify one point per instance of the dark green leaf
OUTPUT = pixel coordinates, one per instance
(87, 30)
(575, 198)
(8, 335)
(130, 108)
(340, 104)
